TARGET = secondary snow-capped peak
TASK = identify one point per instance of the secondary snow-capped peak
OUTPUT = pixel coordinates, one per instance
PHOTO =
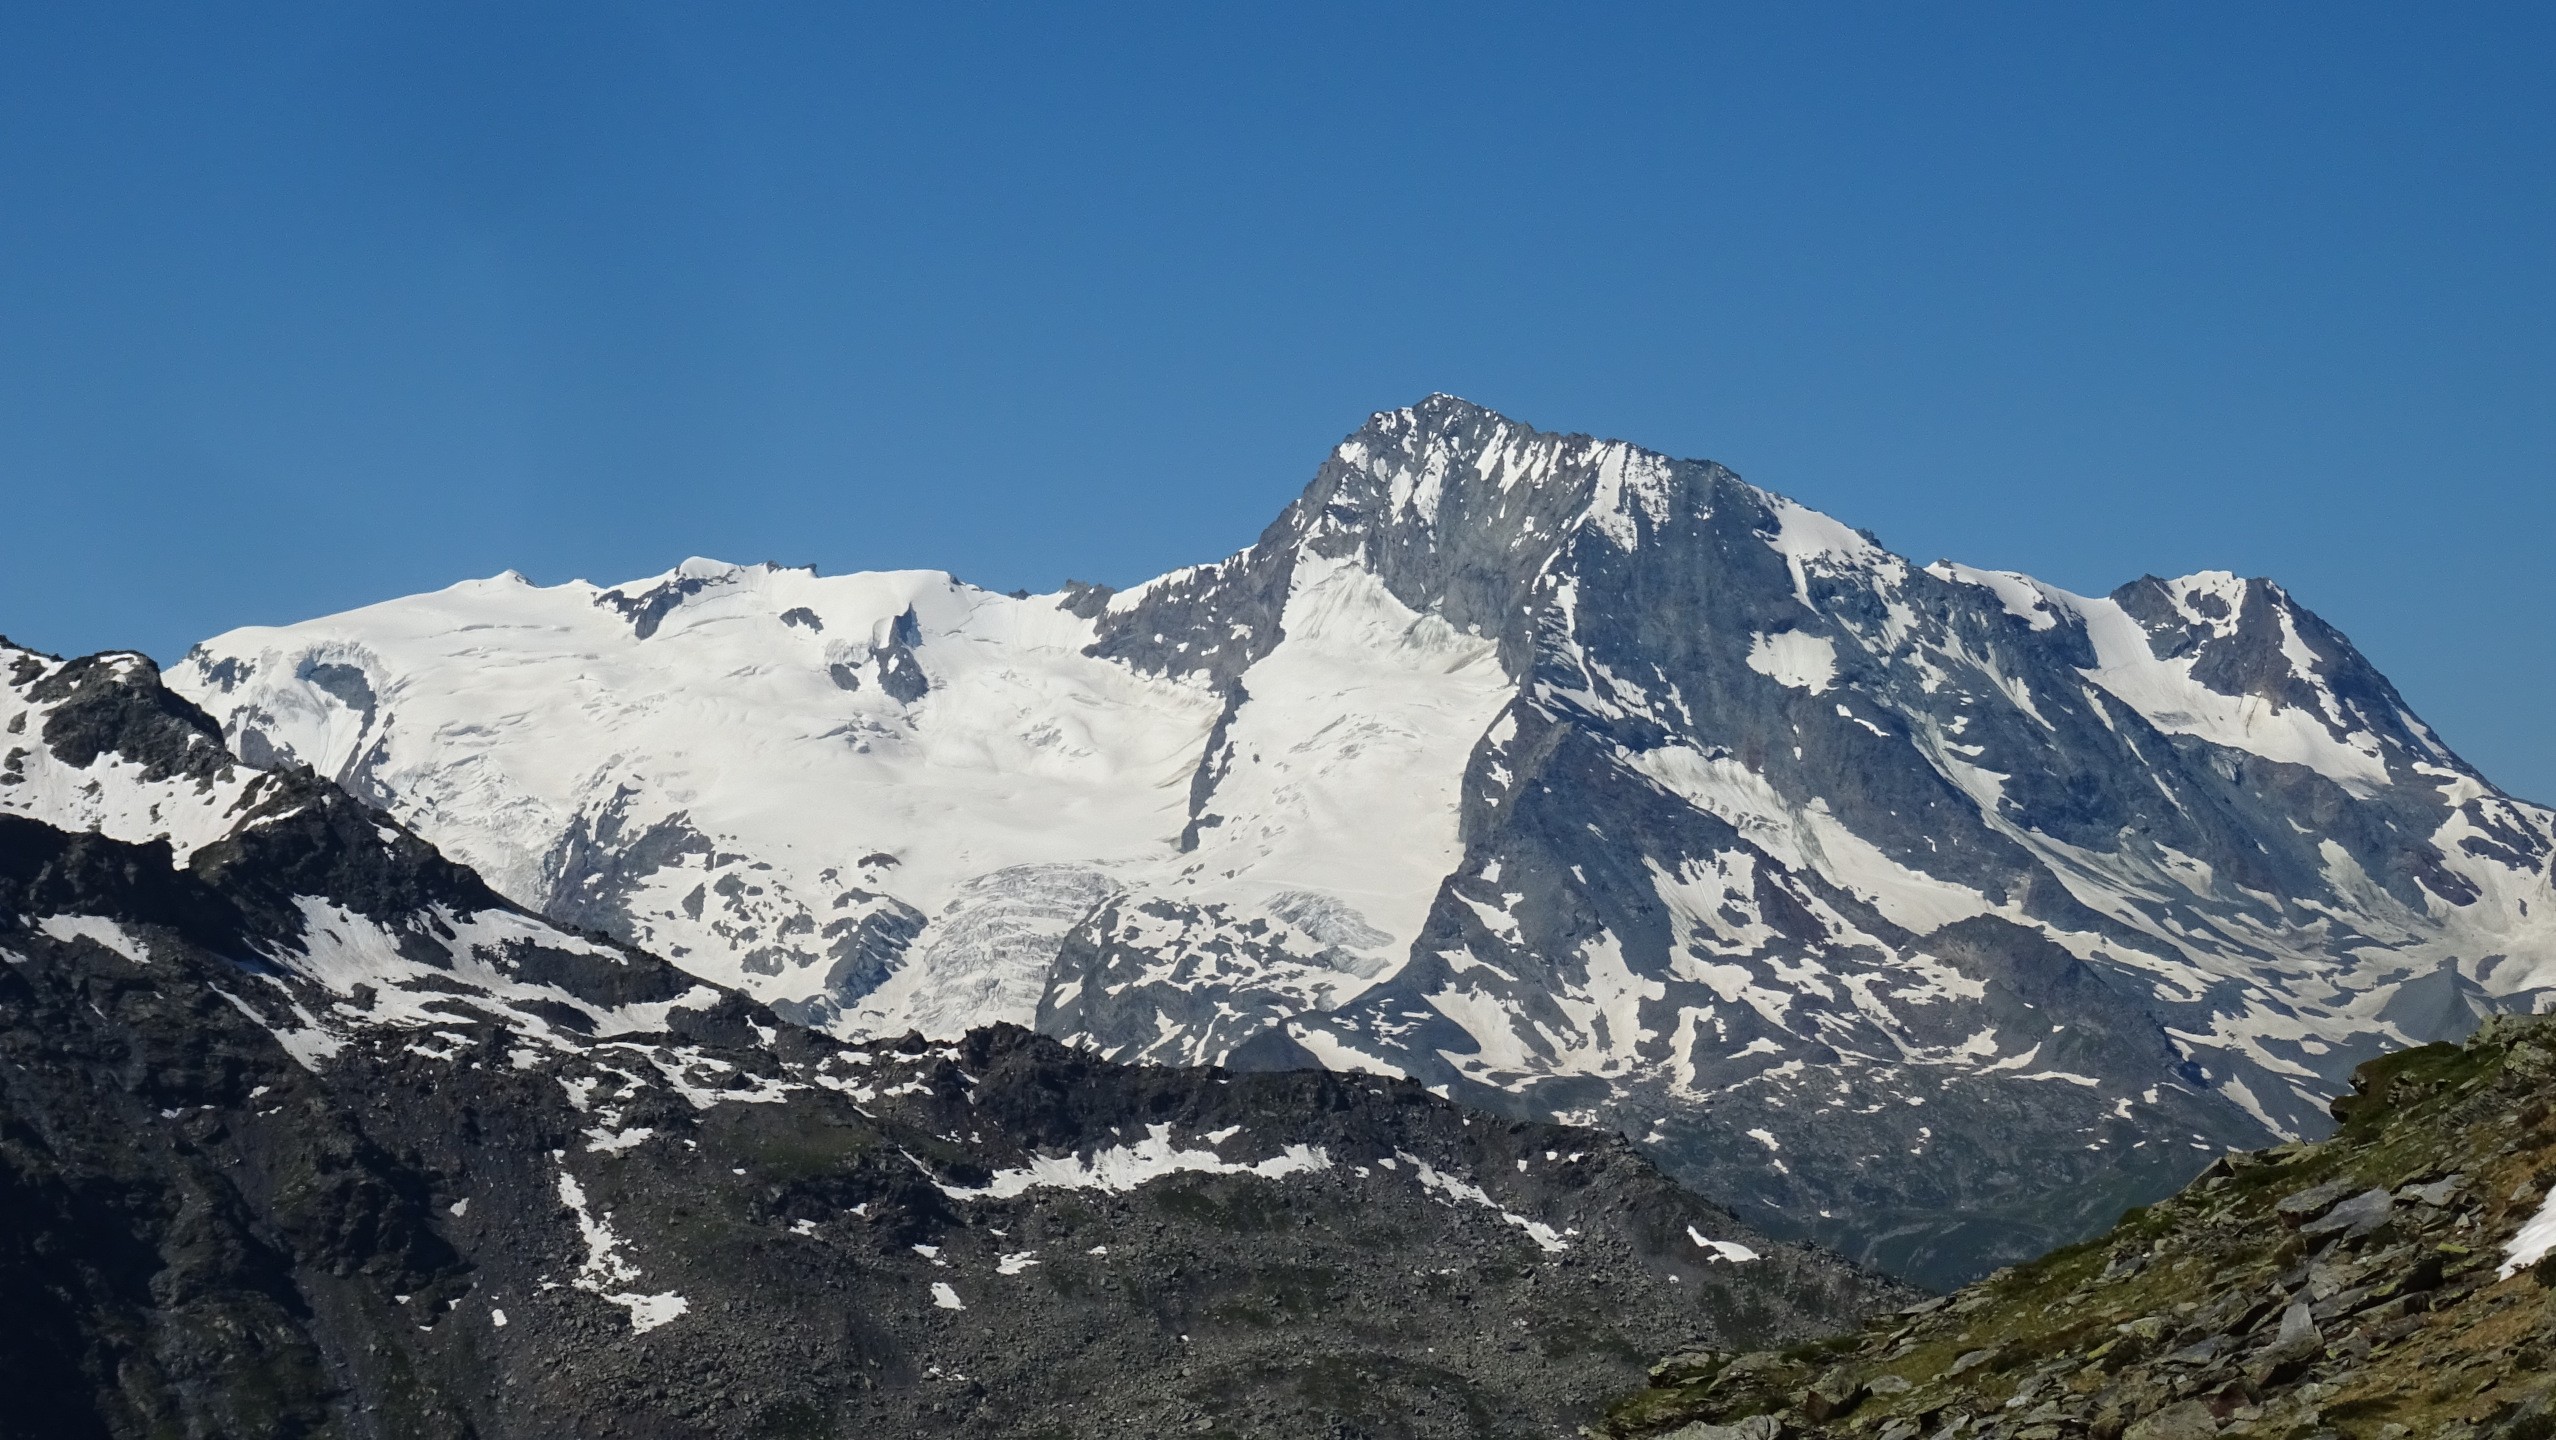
(889, 738)
(96, 745)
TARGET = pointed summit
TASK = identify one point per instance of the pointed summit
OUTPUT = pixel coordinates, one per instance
(1551, 771)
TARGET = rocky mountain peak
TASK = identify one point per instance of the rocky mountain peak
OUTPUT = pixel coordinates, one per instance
(1927, 910)
(2250, 639)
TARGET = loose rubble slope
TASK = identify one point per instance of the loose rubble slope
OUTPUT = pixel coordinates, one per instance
(2393, 1281)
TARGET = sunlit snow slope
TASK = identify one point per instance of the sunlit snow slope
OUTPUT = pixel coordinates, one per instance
(881, 800)
(1934, 911)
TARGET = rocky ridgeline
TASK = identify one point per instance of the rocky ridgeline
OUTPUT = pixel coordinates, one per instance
(439, 1232)
(306, 1132)
(1931, 914)
(2366, 1287)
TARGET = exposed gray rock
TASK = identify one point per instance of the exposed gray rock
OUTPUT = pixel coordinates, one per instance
(2314, 1199)
(315, 1134)
(2200, 1352)
(2437, 1193)
(1755, 1427)
(1967, 1362)
(2183, 1420)
(900, 673)
(648, 609)
(2355, 1217)
(2297, 1342)
(1761, 823)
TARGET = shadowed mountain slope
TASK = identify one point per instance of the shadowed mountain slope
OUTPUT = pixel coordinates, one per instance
(306, 1131)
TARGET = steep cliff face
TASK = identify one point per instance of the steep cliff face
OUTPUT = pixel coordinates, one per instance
(304, 1130)
(1933, 912)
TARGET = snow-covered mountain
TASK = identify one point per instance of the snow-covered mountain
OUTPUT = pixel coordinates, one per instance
(1932, 912)
(306, 1131)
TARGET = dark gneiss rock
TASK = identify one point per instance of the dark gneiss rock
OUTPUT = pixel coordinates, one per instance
(396, 1232)
(2312, 1200)
(2357, 1216)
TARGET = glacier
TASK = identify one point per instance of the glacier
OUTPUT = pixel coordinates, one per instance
(1559, 774)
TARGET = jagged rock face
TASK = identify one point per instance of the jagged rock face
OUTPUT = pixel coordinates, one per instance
(315, 1134)
(1934, 912)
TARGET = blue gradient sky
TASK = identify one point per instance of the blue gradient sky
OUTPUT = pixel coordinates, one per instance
(307, 306)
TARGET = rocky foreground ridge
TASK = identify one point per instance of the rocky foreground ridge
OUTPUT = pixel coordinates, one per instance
(2391, 1283)
(305, 1131)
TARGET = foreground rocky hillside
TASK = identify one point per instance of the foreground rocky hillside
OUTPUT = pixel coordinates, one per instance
(1932, 912)
(305, 1131)
(2394, 1281)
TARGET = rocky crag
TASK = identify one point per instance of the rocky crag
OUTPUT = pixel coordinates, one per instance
(1931, 912)
(2394, 1282)
(305, 1131)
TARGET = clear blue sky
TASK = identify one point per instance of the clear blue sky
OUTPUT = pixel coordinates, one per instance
(306, 306)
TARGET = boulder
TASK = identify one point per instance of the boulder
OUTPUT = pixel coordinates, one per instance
(2435, 1194)
(2312, 1201)
(2298, 1343)
(1687, 1365)
(1968, 1361)
(1755, 1427)
(2355, 1217)
(1830, 1396)
(2183, 1420)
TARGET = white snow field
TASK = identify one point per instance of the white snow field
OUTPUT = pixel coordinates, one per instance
(500, 719)
(887, 798)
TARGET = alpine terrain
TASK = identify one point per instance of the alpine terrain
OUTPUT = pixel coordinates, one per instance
(2393, 1281)
(1932, 913)
(306, 1131)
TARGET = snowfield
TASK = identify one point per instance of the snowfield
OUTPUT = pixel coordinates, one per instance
(1528, 762)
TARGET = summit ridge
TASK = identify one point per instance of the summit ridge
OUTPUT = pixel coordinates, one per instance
(1931, 912)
